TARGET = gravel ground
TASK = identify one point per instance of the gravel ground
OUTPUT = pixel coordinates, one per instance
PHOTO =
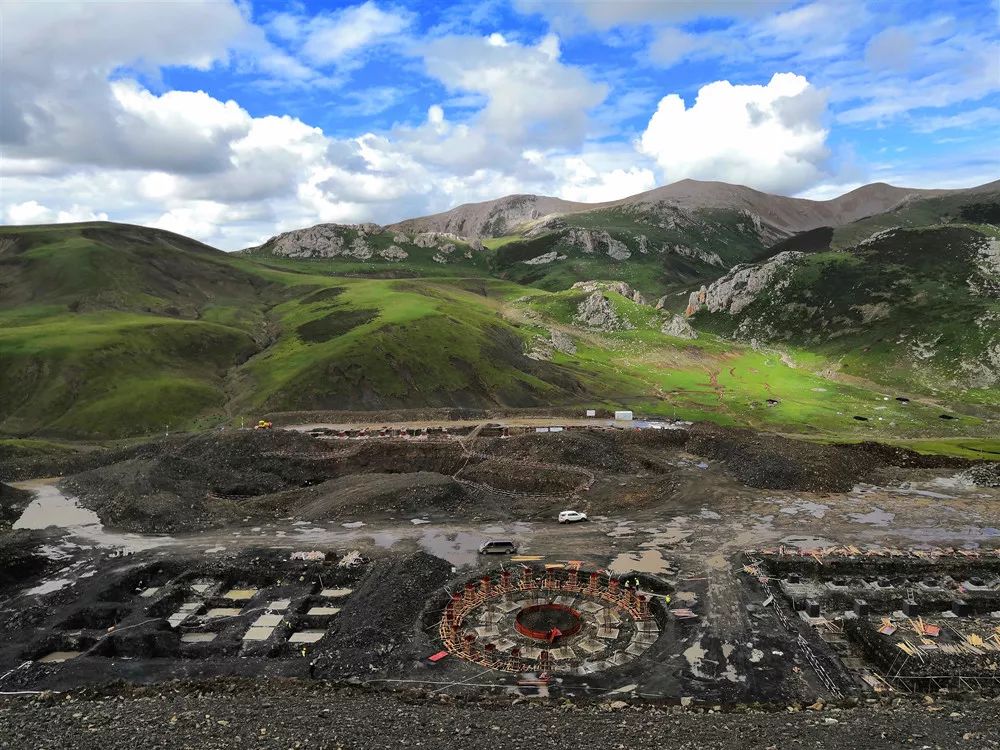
(292, 714)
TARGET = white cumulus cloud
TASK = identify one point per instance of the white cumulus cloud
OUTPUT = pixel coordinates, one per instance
(328, 38)
(770, 137)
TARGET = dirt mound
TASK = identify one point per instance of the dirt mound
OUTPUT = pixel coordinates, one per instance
(985, 474)
(775, 462)
(591, 450)
(12, 504)
(369, 495)
(21, 556)
(201, 480)
(380, 620)
(612, 451)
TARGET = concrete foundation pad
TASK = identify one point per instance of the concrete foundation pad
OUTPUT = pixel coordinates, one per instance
(223, 612)
(590, 607)
(279, 605)
(58, 657)
(150, 592)
(562, 654)
(240, 595)
(508, 607)
(323, 611)
(201, 588)
(335, 593)
(198, 637)
(489, 616)
(590, 646)
(607, 633)
(617, 659)
(306, 636)
(609, 613)
(636, 648)
(487, 631)
(505, 644)
(647, 638)
(268, 621)
(647, 626)
(530, 652)
(566, 601)
(258, 634)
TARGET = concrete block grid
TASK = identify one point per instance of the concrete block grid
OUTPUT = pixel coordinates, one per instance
(209, 617)
(898, 619)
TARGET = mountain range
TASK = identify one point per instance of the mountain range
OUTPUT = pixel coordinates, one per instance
(874, 313)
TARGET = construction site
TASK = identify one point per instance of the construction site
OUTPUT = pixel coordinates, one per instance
(718, 569)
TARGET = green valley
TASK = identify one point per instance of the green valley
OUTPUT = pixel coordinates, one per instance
(111, 331)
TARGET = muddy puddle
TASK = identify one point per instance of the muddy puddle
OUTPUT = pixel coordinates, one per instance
(875, 517)
(646, 561)
(51, 508)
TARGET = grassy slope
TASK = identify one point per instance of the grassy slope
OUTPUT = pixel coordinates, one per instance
(183, 335)
(660, 270)
(111, 330)
(922, 213)
(714, 378)
(924, 322)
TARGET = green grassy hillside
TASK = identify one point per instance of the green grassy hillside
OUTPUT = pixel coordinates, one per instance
(655, 251)
(108, 331)
(915, 309)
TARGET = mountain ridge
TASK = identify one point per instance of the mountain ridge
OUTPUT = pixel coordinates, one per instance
(790, 213)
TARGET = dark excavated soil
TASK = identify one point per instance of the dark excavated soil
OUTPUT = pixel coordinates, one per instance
(774, 462)
(12, 504)
(375, 629)
(367, 495)
(225, 477)
(20, 556)
(289, 714)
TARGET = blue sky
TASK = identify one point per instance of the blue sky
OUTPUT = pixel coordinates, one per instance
(232, 121)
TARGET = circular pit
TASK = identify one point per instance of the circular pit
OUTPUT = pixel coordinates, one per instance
(547, 622)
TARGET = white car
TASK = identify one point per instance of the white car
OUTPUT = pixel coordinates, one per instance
(572, 516)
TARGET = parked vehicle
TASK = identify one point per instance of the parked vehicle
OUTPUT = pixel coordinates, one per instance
(498, 547)
(572, 516)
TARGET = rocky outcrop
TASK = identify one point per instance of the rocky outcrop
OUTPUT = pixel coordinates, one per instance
(592, 241)
(705, 256)
(393, 253)
(360, 249)
(744, 283)
(562, 342)
(678, 327)
(986, 281)
(356, 241)
(618, 287)
(597, 312)
(557, 342)
(695, 301)
(544, 259)
(494, 218)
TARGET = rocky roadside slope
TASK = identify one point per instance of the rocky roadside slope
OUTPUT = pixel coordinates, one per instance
(288, 714)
